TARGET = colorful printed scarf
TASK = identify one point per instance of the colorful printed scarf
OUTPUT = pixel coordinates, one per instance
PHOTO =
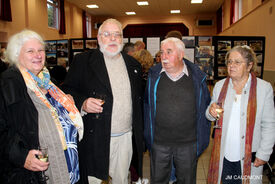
(213, 172)
(34, 83)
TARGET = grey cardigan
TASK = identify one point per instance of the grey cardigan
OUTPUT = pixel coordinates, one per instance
(264, 130)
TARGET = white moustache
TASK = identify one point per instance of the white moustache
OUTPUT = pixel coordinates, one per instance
(165, 61)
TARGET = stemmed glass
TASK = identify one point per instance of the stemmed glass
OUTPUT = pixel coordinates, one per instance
(44, 158)
(102, 97)
(219, 111)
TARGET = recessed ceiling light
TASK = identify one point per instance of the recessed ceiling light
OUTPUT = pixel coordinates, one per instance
(92, 6)
(175, 11)
(130, 13)
(196, 1)
(142, 3)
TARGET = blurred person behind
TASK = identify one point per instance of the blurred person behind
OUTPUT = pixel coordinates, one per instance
(245, 137)
(129, 48)
(174, 34)
(139, 45)
(35, 113)
(146, 60)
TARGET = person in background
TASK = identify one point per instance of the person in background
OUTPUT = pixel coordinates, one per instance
(139, 45)
(176, 128)
(35, 113)
(157, 58)
(106, 149)
(146, 60)
(129, 48)
(174, 34)
(245, 137)
(3, 64)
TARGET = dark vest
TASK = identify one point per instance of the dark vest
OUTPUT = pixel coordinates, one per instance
(175, 111)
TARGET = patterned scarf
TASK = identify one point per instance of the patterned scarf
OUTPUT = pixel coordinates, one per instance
(213, 172)
(34, 83)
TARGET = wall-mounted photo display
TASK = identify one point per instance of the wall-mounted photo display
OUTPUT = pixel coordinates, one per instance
(207, 66)
(224, 45)
(91, 44)
(189, 54)
(189, 41)
(221, 58)
(240, 42)
(256, 45)
(77, 44)
(205, 51)
(50, 46)
(205, 41)
(51, 59)
(62, 48)
(222, 71)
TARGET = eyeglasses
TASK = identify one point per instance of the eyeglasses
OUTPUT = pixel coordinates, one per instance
(235, 62)
(107, 34)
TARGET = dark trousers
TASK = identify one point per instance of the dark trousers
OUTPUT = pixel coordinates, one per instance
(231, 172)
(185, 160)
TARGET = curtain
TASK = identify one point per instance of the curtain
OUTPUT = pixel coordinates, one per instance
(84, 28)
(6, 10)
(219, 19)
(62, 26)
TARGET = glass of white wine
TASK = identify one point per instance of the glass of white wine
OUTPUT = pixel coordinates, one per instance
(44, 158)
(219, 111)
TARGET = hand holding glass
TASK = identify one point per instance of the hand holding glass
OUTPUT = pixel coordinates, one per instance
(102, 97)
(219, 110)
(44, 158)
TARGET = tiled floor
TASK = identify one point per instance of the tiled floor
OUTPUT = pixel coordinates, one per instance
(202, 169)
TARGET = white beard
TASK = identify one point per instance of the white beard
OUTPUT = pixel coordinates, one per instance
(108, 53)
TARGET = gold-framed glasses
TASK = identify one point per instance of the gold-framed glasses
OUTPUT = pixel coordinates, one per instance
(108, 34)
(234, 62)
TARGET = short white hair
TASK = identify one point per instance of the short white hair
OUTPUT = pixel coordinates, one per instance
(179, 43)
(16, 43)
(111, 20)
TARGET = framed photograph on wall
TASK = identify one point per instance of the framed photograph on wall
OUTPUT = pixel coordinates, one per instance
(259, 58)
(50, 46)
(221, 58)
(90, 44)
(62, 48)
(207, 66)
(240, 43)
(205, 40)
(189, 41)
(51, 59)
(224, 45)
(222, 71)
(256, 45)
(77, 44)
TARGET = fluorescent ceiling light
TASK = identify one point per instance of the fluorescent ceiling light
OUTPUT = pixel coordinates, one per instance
(175, 11)
(142, 3)
(196, 1)
(130, 13)
(92, 6)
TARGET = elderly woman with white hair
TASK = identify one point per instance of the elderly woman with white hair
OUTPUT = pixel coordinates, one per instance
(34, 114)
(244, 136)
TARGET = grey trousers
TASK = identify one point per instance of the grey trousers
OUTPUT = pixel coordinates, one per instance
(185, 160)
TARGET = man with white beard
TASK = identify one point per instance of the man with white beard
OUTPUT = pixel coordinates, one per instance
(107, 146)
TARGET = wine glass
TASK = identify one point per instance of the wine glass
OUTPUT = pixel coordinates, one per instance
(102, 97)
(44, 158)
(219, 111)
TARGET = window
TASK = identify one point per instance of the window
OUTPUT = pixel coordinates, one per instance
(52, 6)
(89, 26)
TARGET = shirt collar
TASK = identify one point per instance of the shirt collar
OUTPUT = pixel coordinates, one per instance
(184, 72)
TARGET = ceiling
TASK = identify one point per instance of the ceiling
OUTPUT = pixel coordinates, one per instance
(117, 8)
